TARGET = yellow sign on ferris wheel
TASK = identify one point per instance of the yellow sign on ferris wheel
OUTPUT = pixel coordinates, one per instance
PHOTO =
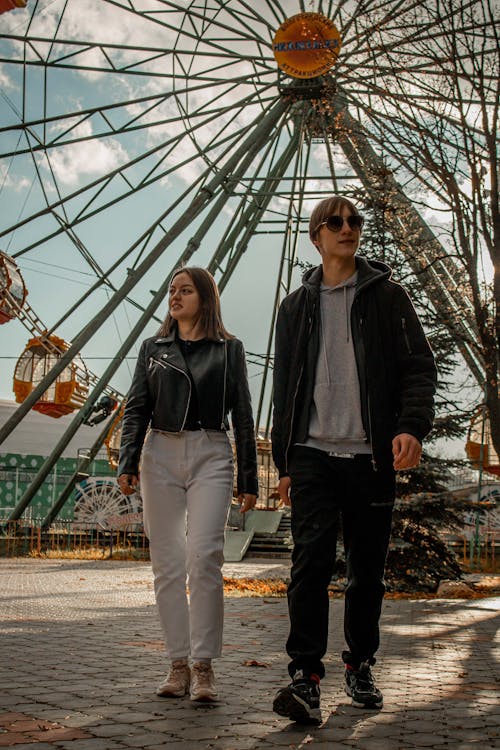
(306, 45)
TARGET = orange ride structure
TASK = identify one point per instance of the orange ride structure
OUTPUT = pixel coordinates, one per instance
(479, 446)
(69, 390)
(6, 5)
(13, 290)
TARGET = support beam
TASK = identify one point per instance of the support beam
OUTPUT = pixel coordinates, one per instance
(252, 216)
(287, 262)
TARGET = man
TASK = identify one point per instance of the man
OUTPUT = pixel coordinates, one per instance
(354, 384)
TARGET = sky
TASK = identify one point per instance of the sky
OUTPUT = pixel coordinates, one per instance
(135, 113)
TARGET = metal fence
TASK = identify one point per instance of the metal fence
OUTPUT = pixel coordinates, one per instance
(66, 538)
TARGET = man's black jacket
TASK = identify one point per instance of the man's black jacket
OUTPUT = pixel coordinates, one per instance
(160, 394)
(396, 369)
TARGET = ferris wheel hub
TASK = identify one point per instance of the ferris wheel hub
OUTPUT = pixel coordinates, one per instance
(306, 45)
(311, 88)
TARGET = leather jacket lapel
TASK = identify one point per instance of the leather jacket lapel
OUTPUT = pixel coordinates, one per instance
(169, 352)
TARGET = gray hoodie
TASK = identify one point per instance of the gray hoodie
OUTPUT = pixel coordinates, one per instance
(336, 424)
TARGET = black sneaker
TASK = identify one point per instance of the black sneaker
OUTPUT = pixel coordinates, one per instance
(360, 685)
(299, 701)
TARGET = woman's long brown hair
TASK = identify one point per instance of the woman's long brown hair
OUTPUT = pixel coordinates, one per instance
(210, 312)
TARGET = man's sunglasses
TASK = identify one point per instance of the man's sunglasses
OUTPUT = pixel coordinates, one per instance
(335, 223)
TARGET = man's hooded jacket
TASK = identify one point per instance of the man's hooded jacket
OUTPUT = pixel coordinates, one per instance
(396, 369)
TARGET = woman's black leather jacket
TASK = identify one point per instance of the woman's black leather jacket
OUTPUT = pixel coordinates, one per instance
(160, 393)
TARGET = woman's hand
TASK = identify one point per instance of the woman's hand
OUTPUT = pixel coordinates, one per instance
(128, 483)
(246, 501)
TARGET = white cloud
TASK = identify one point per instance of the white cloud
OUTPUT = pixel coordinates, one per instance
(12, 181)
(5, 81)
(94, 20)
(90, 157)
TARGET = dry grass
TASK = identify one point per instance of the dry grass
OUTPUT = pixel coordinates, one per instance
(489, 585)
(92, 553)
(234, 587)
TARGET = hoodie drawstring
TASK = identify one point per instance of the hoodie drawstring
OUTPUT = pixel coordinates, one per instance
(325, 357)
(346, 313)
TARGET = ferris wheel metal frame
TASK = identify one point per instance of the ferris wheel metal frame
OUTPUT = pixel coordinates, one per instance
(252, 132)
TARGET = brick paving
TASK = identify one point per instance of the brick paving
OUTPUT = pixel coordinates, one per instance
(81, 654)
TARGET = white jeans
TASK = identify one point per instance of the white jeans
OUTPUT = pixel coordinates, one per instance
(186, 487)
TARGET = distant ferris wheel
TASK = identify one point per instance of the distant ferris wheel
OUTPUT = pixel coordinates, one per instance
(203, 132)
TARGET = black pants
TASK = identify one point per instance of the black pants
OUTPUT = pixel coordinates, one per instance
(324, 491)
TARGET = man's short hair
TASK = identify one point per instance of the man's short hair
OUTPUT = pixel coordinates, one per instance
(325, 208)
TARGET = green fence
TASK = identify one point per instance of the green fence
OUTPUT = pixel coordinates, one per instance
(18, 471)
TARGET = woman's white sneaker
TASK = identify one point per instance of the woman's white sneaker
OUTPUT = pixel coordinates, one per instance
(202, 683)
(176, 683)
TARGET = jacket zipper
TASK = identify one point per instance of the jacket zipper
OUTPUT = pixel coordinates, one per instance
(405, 334)
(294, 399)
(152, 361)
(374, 463)
(224, 391)
(167, 364)
(368, 400)
(292, 417)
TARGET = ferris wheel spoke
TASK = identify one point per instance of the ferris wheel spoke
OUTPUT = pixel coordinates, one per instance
(431, 29)
(407, 32)
(79, 118)
(383, 127)
(376, 15)
(237, 20)
(250, 214)
(233, 138)
(83, 251)
(420, 107)
(101, 183)
(196, 20)
(289, 247)
(372, 102)
(246, 15)
(407, 157)
(223, 66)
(241, 101)
(277, 14)
(69, 60)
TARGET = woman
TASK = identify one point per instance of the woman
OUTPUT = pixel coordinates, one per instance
(187, 380)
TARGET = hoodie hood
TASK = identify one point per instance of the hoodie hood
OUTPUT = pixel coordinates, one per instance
(369, 272)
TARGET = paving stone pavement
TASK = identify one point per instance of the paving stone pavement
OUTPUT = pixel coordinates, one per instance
(81, 654)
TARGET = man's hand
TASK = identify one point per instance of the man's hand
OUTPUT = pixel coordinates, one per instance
(407, 451)
(284, 490)
(128, 483)
(247, 501)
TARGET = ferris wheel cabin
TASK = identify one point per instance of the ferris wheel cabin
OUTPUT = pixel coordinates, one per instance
(6, 5)
(70, 389)
(13, 291)
(479, 447)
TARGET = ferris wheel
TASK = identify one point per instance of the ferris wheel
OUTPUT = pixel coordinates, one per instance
(138, 135)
